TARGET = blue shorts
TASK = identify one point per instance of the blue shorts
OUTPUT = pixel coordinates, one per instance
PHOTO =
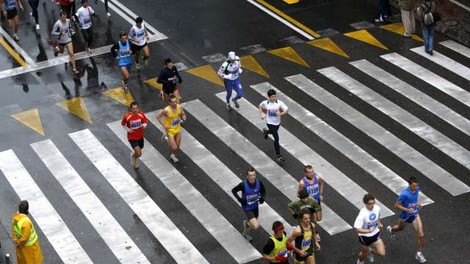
(408, 219)
(128, 66)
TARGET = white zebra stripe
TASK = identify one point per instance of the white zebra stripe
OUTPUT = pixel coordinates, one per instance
(50, 222)
(125, 250)
(174, 241)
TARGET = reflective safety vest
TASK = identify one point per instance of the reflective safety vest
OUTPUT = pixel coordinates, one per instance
(33, 236)
(279, 247)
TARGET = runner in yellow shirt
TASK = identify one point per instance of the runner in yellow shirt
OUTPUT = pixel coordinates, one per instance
(171, 118)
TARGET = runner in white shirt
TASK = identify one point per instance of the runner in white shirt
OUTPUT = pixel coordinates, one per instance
(138, 37)
(368, 226)
(272, 110)
(63, 32)
(85, 23)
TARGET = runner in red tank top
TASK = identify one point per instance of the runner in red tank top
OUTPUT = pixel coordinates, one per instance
(134, 122)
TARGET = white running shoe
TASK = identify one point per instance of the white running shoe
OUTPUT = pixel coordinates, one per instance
(108, 14)
(359, 262)
(420, 257)
(134, 161)
(370, 257)
(137, 66)
(245, 228)
(16, 38)
(390, 232)
(37, 27)
(164, 138)
(174, 159)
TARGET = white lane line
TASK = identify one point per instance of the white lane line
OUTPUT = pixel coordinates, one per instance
(414, 158)
(61, 60)
(131, 16)
(274, 173)
(50, 222)
(444, 62)
(125, 250)
(171, 238)
(460, 4)
(221, 174)
(345, 146)
(420, 128)
(457, 47)
(282, 20)
(414, 95)
(428, 76)
(209, 217)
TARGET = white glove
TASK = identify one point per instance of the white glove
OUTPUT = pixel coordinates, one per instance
(228, 76)
(240, 70)
(144, 125)
(128, 129)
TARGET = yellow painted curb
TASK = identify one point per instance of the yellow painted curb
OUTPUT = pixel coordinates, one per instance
(119, 95)
(13, 53)
(31, 119)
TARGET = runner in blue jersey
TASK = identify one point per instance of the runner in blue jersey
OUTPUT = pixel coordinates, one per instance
(10, 11)
(313, 184)
(409, 208)
(253, 193)
(123, 53)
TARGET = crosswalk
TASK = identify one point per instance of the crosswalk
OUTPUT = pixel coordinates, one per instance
(236, 135)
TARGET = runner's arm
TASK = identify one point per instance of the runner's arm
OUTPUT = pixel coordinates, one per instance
(235, 191)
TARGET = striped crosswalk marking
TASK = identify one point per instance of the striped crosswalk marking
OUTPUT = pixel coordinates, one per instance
(459, 48)
(240, 249)
(331, 222)
(444, 62)
(415, 95)
(221, 174)
(437, 174)
(428, 76)
(50, 222)
(374, 167)
(403, 117)
(125, 250)
(331, 175)
(148, 211)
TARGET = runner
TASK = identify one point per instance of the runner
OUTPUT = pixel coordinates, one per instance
(10, 11)
(62, 29)
(304, 238)
(230, 71)
(121, 50)
(253, 194)
(83, 15)
(134, 122)
(272, 110)
(305, 201)
(171, 118)
(168, 77)
(313, 184)
(409, 207)
(277, 249)
(138, 36)
(68, 6)
(34, 4)
(368, 226)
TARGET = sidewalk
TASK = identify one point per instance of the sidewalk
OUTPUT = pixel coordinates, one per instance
(455, 19)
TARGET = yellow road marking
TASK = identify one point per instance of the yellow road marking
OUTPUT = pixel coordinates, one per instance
(153, 82)
(31, 119)
(208, 73)
(364, 36)
(119, 95)
(400, 29)
(328, 45)
(289, 54)
(288, 18)
(77, 107)
(290, 2)
(249, 62)
(13, 53)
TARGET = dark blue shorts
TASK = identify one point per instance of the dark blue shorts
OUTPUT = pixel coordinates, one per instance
(137, 143)
(408, 219)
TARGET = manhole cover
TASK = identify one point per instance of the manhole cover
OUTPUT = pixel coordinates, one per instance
(451, 23)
